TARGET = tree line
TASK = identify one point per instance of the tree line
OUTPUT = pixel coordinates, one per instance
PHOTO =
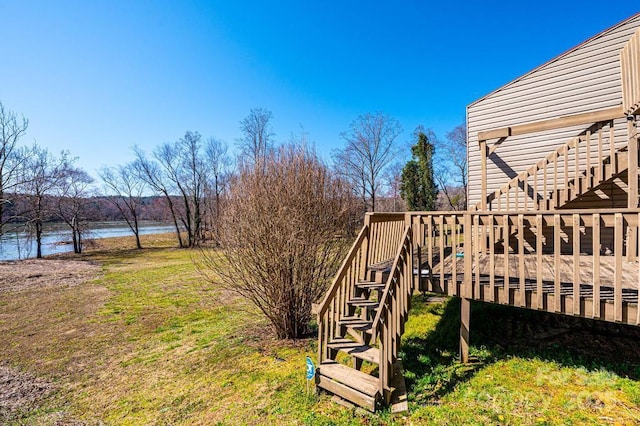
(273, 221)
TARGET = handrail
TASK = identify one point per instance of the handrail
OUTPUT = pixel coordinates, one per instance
(375, 217)
(324, 304)
(388, 322)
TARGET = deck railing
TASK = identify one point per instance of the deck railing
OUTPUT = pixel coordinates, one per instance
(576, 262)
(386, 233)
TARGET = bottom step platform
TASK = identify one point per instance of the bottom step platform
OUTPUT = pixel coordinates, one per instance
(348, 383)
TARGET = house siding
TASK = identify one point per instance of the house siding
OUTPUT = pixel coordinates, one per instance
(584, 79)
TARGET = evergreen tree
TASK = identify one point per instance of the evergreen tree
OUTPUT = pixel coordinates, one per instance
(418, 187)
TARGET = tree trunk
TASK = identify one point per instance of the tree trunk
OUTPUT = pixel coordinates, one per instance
(175, 219)
(38, 239)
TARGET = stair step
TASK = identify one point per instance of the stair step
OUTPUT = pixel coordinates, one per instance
(355, 349)
(356, 323)
(364, 303)
(384, 266)
(349, 383)
(370, 285)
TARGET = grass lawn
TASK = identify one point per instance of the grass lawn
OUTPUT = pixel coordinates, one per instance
(149, 342)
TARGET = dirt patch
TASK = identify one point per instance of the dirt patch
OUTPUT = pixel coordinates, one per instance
(32, 274)
(20, 392)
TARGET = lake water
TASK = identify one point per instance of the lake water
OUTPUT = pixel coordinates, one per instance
(18, 245)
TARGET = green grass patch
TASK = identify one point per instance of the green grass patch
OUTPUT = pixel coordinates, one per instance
(150, 342)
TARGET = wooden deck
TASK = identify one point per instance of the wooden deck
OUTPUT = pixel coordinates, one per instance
(482, 277)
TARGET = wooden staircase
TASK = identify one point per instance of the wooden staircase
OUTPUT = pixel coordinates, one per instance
(361, 318)
(564, 175)
(592, 179)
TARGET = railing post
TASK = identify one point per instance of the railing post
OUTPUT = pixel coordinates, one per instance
(483, 175)
(364, 260)
(632, 194)
(467, 294)
(468, 256)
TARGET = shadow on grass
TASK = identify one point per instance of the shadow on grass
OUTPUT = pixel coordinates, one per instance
(498, 332)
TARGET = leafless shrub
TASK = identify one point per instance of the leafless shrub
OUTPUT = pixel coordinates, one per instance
(283, 236)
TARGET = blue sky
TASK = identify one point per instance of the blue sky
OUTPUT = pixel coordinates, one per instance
(97, 77)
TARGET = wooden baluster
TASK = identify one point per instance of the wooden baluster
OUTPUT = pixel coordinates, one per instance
(454, 251)
(576, 264)
(492, 260)
(565, 197)
(612, 149)
(536, 202)
(545, 193)
(588, 173)
(479, 248)
(576, 171)
(441, 242)
(430, 244)
(539, 236)
(617, 291)
(525, 190)
(555, 181)
(505, 294)
(507, 201)
(521, 272)
(556, 261)
(600, 154)
(596, 265)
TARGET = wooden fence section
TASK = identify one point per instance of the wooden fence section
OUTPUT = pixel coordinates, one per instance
(579, 262)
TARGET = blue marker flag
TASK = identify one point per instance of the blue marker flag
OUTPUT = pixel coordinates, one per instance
(311, 369)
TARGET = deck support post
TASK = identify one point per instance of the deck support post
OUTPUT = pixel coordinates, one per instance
(465, 321)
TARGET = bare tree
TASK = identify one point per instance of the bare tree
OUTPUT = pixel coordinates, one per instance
(218, 164)
(152, 174)
(41, 174)
(370, 147)
(280, 237)
(124, 189)
(72, 198)
(257, 136)
(183, 165)
(392, 178)
(452, 175)
(11, 130)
